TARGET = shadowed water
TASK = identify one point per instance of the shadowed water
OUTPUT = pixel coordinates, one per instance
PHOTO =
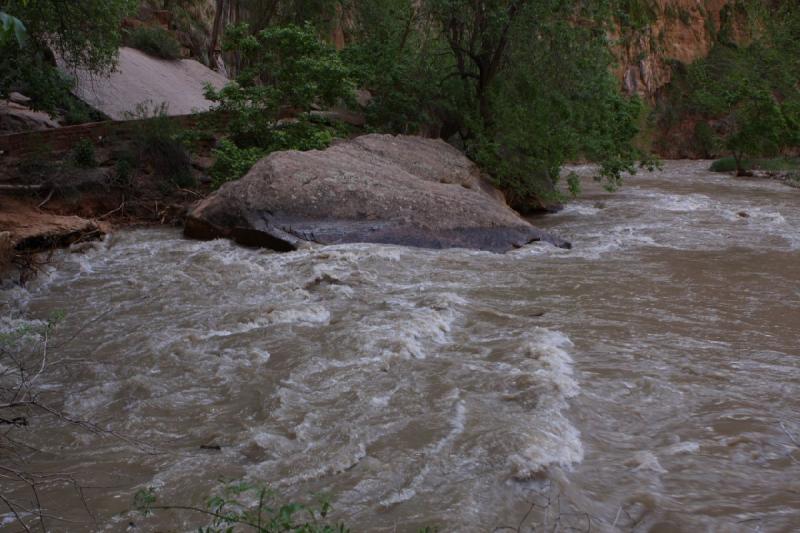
(646, 380)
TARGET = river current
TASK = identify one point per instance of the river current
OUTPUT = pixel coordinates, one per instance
(646, 380)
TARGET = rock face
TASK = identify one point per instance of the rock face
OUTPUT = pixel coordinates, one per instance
(375, 188)
(140, 78)
(680, 30)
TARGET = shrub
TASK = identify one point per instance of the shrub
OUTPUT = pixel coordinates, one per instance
(232, 162)
(159, 144)
(778, 164)
(124, 167)
(83, 154)
(241, 506)
(726, 164)
(157, 42)
(169, 159)
(286, 68)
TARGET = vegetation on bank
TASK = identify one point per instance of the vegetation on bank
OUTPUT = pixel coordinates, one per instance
(744, 96)
(520, 86)
(253, 508)
(517, 85)
(84, 34)
(155, 41)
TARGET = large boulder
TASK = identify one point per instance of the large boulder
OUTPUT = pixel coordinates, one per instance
(375, 188)
(143, 79)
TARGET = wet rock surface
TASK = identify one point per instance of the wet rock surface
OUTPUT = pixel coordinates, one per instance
(375, 189)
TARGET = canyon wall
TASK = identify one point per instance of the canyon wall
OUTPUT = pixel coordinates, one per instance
(672, 31)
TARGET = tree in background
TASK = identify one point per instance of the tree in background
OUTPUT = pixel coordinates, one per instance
(83, 34)
(746, 96)
(287, 71)
(759, 127)
(521, 86)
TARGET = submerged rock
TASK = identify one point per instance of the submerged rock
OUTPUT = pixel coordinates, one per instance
(376, 188)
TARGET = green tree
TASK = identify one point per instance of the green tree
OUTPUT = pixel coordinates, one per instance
(11, 28)
(83, 34)
(746, 95)
(759, 127)
(287, 72)
(521, 86)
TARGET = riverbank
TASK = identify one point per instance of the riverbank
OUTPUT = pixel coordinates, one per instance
(387, 189)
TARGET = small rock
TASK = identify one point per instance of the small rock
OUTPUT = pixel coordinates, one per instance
(81, 247)
(600, 205)
(212, 443)
(743, 214)
(19, 98)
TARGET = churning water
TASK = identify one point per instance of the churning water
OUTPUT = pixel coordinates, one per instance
(646, 380)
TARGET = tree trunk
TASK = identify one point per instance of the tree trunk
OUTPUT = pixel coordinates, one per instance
(219, 15)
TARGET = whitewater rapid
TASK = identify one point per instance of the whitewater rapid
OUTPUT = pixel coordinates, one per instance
(645, 379)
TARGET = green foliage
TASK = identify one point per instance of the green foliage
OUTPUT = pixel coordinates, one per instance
(29, 71)
(636, 14)
(155, 41)
(760, 126)
(159, 146)
(12, 28)
(518, 86)
(288, 70)
(232, 162)
(726, 164)
(83, 34)
(747, 97)
(396, 64)
(705, 138)
(241, 505)
(83, 154)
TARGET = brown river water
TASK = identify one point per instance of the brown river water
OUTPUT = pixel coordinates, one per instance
(646, 380)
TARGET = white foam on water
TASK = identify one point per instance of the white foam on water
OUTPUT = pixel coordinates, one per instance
(682, 448)
(342, 365)
(552, 439)
(646, 460)
(578, 208)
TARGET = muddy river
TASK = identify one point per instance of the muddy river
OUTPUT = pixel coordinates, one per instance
(646, 380)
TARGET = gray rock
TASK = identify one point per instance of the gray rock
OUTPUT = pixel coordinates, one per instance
(16, 118)
(18, 98)
(376, 188)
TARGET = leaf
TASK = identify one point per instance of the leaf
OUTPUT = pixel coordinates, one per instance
(12, 25)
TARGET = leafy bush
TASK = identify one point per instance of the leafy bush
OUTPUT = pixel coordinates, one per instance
(83, 154)
(705, 138)
(287, 70)
(232, 162)
(156, 41)
(726, 164)
(750, 88)
(159, 145)
(230, 509)
(779, 164)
